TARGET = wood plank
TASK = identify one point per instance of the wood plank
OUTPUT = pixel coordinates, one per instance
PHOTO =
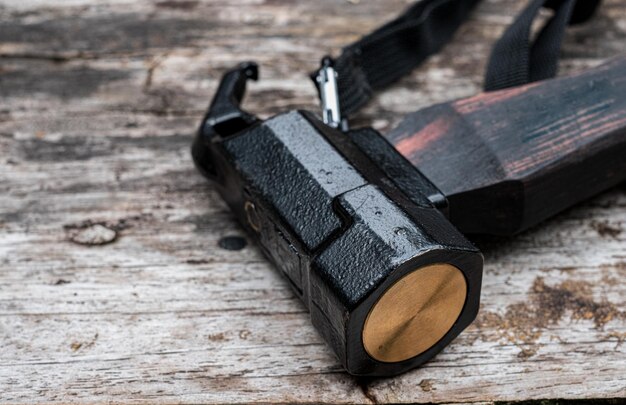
(99, 104)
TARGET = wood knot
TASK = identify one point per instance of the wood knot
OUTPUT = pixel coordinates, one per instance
(91, 234)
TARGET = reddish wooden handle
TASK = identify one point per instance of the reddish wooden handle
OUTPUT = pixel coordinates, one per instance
(509, 159)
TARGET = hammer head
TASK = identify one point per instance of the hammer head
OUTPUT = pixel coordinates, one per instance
(354, 228)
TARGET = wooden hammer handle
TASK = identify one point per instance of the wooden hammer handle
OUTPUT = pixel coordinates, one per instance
(509, 159)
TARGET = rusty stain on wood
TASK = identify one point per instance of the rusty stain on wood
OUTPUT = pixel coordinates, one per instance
(606, 229)
(523, 323)
(173, 317)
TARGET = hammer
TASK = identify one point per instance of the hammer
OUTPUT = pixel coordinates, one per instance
(369, 229)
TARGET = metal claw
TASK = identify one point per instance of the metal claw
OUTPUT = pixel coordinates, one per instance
(225, 116)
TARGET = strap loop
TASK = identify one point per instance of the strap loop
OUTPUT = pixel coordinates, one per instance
(393, 50)
(396, 48)
(515, 61)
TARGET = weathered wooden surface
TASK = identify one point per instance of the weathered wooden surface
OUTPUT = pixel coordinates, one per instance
(98, 104)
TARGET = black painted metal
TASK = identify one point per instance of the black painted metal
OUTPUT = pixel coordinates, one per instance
(400, 171)
(342, 216)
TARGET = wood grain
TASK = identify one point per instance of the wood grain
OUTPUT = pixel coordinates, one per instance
(507, 160)
(113, 287)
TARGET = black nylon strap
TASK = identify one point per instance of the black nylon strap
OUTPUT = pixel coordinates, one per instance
(395, 49)
(515, 61)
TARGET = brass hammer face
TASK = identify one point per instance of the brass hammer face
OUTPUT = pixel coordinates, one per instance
(414, 313)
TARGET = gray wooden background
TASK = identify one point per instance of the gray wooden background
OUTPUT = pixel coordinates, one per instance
(112, 285)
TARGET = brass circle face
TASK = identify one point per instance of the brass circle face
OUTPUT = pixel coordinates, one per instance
(414, 313)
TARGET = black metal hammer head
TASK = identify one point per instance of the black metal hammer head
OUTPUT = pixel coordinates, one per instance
(356, 229)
